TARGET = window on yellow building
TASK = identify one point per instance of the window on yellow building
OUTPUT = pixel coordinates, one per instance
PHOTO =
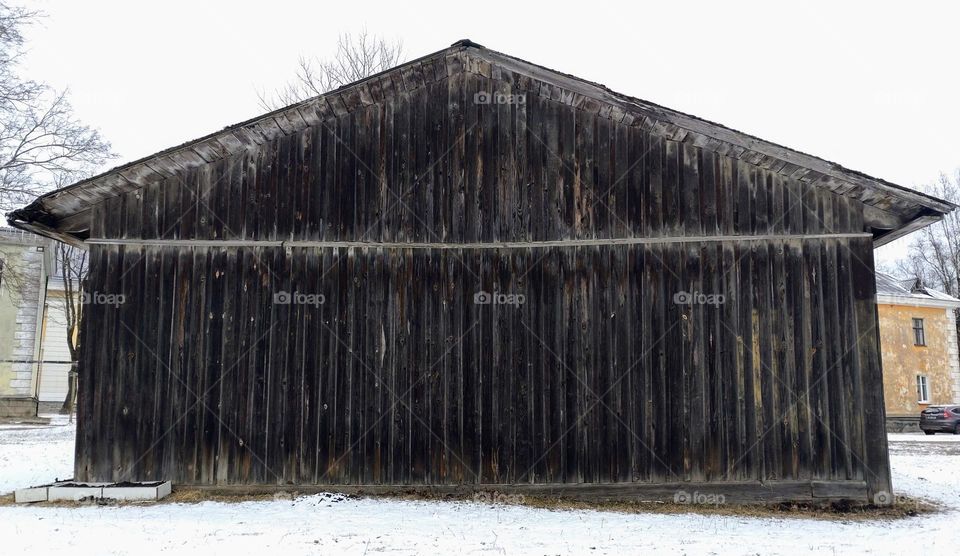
(918, 337)
(923, 389)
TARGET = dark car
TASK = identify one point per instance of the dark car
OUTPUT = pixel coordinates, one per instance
(940, 418)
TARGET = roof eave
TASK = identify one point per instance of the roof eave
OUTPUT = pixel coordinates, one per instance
(907, 229)
(893, 299)
(44, 230)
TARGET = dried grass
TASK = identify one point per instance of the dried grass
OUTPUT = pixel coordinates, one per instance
(906, 507)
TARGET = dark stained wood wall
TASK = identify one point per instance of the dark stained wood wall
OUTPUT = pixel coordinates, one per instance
(400, 378)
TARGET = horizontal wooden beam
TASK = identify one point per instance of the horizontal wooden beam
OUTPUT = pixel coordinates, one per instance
(299, 244)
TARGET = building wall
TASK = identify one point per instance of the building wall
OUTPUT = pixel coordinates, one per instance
(903, 361)
(19, 317)
(400, 377)
(953, 352)
(54, 376)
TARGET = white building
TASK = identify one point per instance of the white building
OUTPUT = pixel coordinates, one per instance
(34, 356)
(27, 261)
(54, 365)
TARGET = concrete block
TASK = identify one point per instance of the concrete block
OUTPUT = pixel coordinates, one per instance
(132, 493)
(26, 495)
(73, 494)
(17, 406)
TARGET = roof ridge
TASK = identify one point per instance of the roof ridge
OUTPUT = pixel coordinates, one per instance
(897, 209)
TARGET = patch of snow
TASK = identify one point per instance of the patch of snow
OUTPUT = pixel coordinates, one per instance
(32, 455)
(927, 468)
(919, 436)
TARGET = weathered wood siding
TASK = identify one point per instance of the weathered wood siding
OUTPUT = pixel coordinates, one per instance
(398, 377)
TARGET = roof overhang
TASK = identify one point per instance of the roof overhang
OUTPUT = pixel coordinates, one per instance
(887, 299)
(892, 210)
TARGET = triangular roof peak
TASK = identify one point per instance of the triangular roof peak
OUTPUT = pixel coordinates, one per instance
(892, 210)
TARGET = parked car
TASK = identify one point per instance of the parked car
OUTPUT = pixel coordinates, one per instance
(940, 418)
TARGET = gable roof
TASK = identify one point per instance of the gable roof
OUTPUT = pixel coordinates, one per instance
(910, 292)
(891, 210)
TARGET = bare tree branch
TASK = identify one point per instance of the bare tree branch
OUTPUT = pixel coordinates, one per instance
(934, 254)
(43, 146)
(72, 267)
(42, 143)
(357, 57)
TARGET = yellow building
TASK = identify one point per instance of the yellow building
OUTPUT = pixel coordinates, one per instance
(918, 340)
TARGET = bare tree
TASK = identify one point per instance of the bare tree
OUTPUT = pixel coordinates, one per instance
(12, 88)
(934, 253)
(14, 275)
(42, 146)
(72, 267)
(42, 143)
(358, 56)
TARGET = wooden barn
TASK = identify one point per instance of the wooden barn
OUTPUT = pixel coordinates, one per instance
(471, 272)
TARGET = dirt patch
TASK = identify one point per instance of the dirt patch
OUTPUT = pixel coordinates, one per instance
(195, 496)
(906, 507)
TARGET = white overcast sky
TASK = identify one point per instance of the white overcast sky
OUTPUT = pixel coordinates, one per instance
(871, 86)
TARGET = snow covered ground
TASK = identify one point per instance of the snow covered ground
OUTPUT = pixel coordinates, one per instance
(35, 454)
(922, 466)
